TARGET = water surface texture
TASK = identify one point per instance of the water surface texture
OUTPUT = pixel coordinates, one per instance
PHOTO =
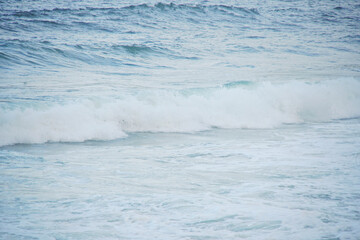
(180, 120)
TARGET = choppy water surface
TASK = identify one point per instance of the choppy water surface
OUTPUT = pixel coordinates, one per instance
(180, 120)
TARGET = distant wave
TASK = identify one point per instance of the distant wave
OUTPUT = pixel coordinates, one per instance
(158, 6)
(19, 52)
(162, 27)
(237, 105)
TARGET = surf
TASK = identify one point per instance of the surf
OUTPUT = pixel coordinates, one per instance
(250, 105)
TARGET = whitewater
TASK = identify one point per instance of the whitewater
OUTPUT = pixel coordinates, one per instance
(179, 120)
(262, 105)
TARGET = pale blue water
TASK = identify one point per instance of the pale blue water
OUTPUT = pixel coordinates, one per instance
(180, 120)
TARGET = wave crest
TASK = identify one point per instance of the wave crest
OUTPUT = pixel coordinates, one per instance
(260, 105)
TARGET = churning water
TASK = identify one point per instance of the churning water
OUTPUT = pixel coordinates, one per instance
(180, 120)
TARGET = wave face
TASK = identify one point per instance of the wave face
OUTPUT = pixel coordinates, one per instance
(237, 105)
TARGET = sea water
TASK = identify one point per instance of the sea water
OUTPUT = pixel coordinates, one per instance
(180, 120)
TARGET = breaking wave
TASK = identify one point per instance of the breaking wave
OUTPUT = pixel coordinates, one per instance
(257, 105)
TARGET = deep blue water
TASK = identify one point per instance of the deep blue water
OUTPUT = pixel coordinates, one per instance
(180, 120)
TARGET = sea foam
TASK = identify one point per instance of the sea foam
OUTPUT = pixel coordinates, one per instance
(257, 105)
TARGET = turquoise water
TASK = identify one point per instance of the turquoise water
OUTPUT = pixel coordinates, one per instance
(186, 120)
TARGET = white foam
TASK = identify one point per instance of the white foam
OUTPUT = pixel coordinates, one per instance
(262, 105)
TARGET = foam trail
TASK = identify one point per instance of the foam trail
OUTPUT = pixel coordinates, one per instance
(261, 105)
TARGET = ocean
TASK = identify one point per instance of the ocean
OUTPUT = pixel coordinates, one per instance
(180, 120)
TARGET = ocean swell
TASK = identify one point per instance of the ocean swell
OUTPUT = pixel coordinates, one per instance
(258, 105)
